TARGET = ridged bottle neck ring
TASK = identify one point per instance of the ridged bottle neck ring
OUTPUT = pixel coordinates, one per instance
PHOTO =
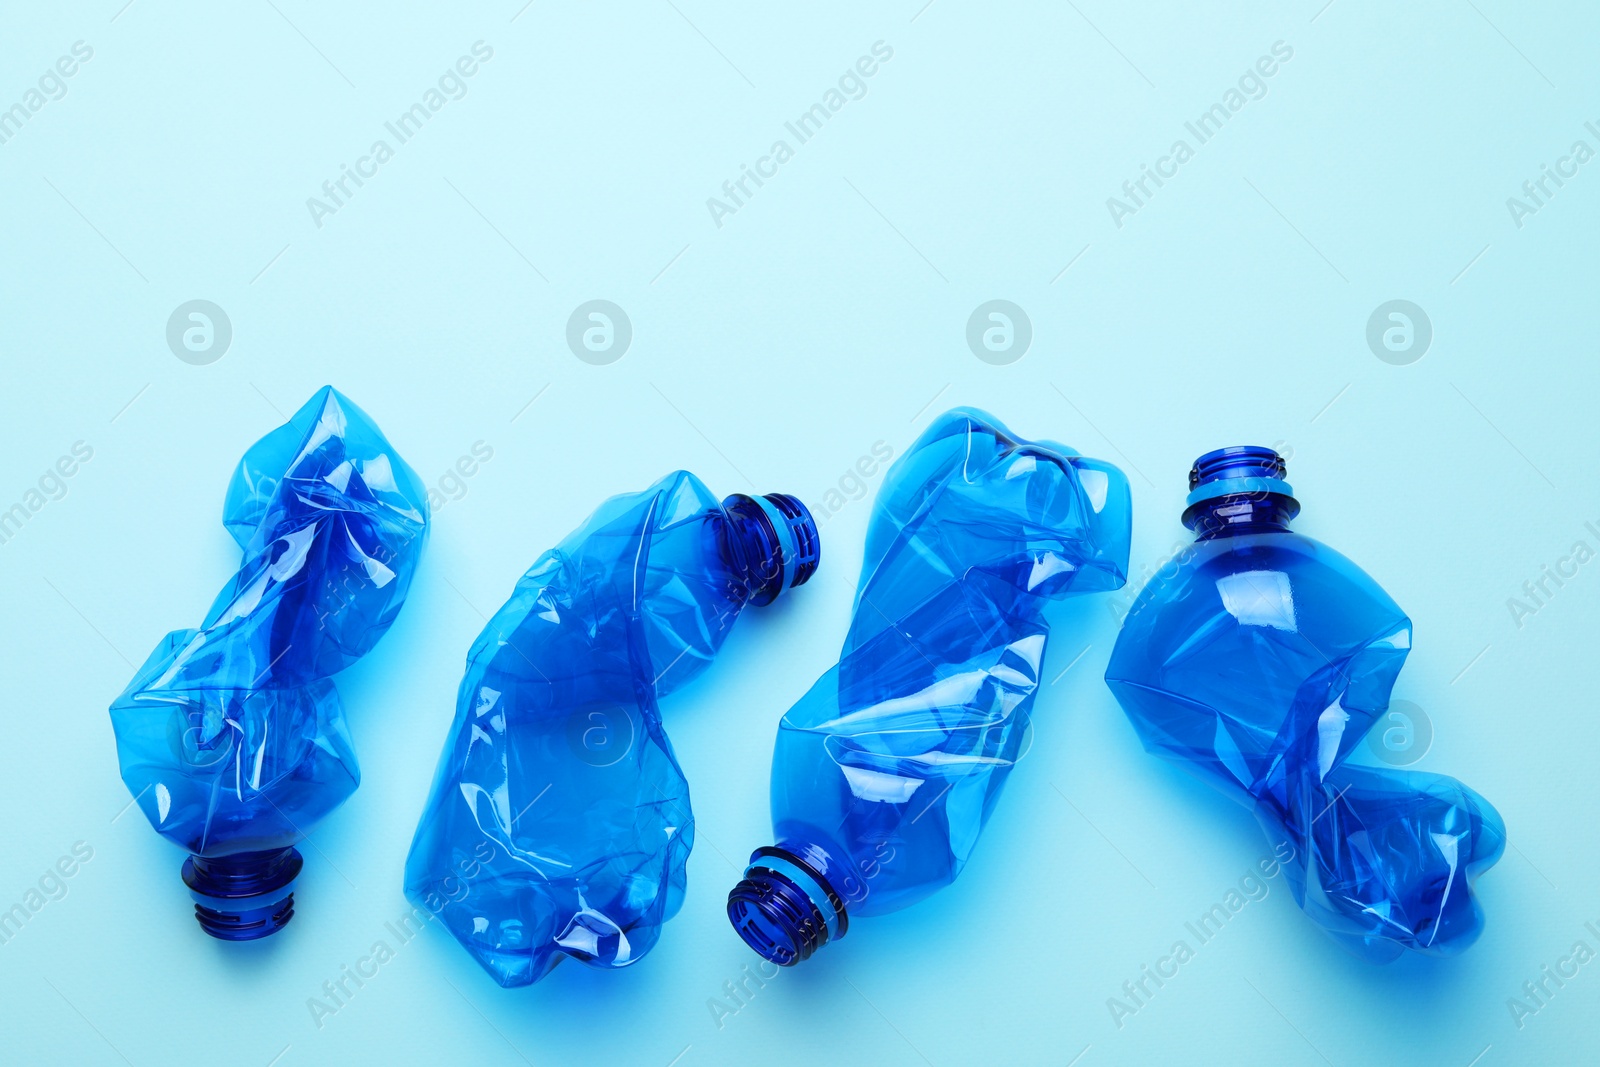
(245, 896)
(1239, 489)
(784, 909)
(774, 540)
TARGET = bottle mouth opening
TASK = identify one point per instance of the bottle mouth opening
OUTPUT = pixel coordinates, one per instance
(775, 911)
(244, 896)
(776, 919)
(776, 541)
(1237, 461)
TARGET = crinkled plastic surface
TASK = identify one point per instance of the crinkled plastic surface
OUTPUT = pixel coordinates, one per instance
(1261, 660)
(559, 822)
(886, 770)
(231, 736)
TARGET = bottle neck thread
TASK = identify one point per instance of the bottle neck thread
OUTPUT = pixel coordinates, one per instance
(772, 542)
(1239, 490)
(784, 909)
(245, 896)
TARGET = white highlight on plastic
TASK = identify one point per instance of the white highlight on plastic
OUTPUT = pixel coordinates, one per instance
(1097, 485)
(1330, 731)
(1259, 598)
(879, 786)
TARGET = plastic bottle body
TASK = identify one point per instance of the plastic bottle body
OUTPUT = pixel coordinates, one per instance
(886, 771)
(901, 757)
(1252, 639)
(559, 821)
(231, 736)
(1261, 659)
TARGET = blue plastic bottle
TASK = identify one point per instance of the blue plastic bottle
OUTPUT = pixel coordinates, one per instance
(559, 824)
(1261, 659)
(886, 770)
(231, 737)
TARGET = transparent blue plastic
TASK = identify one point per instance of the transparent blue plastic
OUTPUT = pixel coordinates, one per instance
(231, 737)
(885, 772)
(1260, 658)
(559, 823)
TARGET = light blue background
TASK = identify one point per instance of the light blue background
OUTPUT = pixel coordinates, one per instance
(770, 354)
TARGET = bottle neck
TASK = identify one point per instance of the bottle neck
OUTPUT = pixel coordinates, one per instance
(1239, 490)
(245, 896)
(784, 908)
(771, 542)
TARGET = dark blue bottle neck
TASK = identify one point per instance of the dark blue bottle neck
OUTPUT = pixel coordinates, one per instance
(770, 541)
(1239, 490)
(785, 908)
(245, 896)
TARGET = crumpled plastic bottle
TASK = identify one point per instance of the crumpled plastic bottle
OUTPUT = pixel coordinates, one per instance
(885, 772)
(231, 737)
(558, 823)
(1261, 658)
